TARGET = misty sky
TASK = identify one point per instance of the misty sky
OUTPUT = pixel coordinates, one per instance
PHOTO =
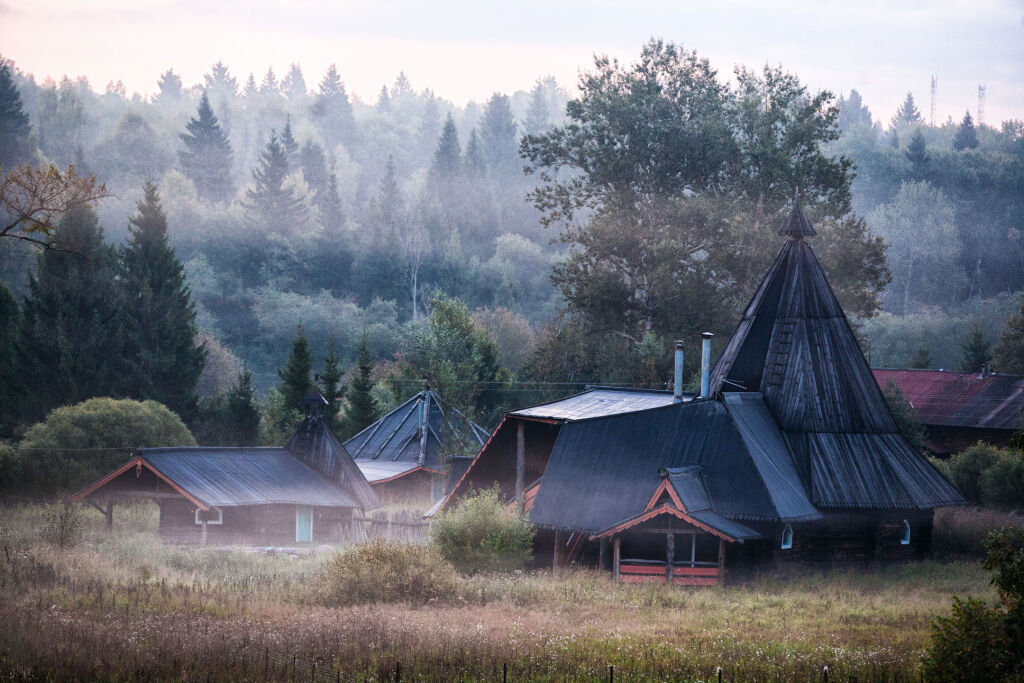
(466, 49)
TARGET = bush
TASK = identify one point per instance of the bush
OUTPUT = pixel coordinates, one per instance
(1002, 484)
(965, 469)
(79, 443)
(63, 525)
(961, 531)
(481, 534)
(386, 571)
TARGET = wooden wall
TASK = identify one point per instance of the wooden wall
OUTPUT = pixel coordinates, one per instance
(249, 525)
(412, 489)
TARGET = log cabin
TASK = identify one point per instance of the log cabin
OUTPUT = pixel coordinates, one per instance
(305, 492)
(788, 457)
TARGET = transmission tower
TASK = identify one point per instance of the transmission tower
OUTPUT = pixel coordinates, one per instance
(935, 87)
(981, 105)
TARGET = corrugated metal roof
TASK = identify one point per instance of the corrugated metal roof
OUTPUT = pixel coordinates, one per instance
(688, 483)
(376, 470)
(396, 436)
(960, 399)
(771, 456)
(599, 403)
(728, 527)
(317, 446)
(229, 477)
(604, 471)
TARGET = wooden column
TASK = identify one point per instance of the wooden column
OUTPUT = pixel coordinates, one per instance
(721, 561)
(616, 556)
(202, 533)
(602, 553)
(693, 549)
(520, 462)
(670, 556)
(557, 555)
(110, 514)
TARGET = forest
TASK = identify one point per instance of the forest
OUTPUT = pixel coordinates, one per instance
(255, 235)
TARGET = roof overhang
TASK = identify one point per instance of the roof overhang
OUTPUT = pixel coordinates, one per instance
(665, 509)
(139, 464)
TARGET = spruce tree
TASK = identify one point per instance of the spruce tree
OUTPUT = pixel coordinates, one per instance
(275, 207)
(448, 156)
(10, 389)
(242, 412)
(975, 352)
(907, 112)
(291, 147)
(170, 87)
(331, 388)
(162, 319)
(313, 163)
(922, 359)
(966, 136)
(917, 154)
(499, 136)
(74, 341)
(250, 88)
(538, 112)
(476, 164)
(1009, 351)
(333, 111)
(207, 158)
(295, 377)
(294, 85)
(331, 212)
(220, 80)
(362, 410)
(383, 100)
(16, 146)
(390, 199)
(269, 83)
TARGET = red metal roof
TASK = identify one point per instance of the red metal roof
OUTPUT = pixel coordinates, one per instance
(960, 399)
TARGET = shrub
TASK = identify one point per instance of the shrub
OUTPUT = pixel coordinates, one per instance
(481, 534)
(962, 531)
(79, 443)
(1002, 484)
(63, 525)
(386, 571)
(965, 469)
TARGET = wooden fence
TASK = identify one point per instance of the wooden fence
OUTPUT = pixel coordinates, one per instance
(392, 525)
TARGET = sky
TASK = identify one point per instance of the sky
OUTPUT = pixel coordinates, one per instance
(467, 49)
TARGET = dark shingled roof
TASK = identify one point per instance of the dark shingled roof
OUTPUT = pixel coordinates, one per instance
(599, 402)
(797, 226)
(961, 399)
(229, 477)
(317, 446)
(396, 436)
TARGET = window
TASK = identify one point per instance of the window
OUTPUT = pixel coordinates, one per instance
(787, 537)
(212, 516)
(905, 536)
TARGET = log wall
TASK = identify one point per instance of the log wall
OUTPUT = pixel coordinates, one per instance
(249, 525)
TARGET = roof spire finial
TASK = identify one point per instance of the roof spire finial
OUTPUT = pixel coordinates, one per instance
(797, 226)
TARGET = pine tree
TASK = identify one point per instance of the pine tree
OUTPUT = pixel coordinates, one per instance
(162, 319)
(362, 410)
(269, 202)
(907, 112)
(207, 158)
(476, 164)
(1009, 351)
(333, 110)
(242, 418)
(295, 377)
(16, 146)
(291, 147)
(976, 352)
(922, 359)
(917, 154)
(331, 388)
(966, 136)
(448, 155)
(538, 112)
(74, 342)
(498, 134)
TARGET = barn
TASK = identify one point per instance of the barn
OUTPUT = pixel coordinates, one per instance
(788, 457)
(410, 454)
(305, 492)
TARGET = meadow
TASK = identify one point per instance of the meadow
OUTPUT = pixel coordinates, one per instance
(126, 606)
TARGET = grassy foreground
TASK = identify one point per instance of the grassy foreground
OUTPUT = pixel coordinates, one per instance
(125, 606)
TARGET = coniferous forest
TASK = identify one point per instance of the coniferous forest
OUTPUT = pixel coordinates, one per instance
(259, 234)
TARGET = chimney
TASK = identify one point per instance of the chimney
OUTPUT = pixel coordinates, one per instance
(705, 365)
(678, 386)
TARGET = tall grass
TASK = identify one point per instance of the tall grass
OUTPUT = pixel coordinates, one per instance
(126, 606)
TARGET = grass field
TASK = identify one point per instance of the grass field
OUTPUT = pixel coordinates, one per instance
(125, 606)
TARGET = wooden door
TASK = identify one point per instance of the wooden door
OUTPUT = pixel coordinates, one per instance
(303, 524)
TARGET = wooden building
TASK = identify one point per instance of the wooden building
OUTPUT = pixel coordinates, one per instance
(412, 453)
(958, 409)
(789, 456)
(303, 493)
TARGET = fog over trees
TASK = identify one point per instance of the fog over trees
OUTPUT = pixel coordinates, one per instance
(407, 227)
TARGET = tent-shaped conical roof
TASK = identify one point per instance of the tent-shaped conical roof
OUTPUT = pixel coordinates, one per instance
(316, 445)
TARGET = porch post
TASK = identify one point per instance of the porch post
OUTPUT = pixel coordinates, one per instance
(721, 561)
(556, 555)
(602, 553)
(670, 556)
(110, 514)
(616, 556)
(693, 549)
(202, 533)
(520, 462)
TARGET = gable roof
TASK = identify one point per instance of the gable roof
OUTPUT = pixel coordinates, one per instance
(396, 436)
(599, 402)
(318, 447)
(230, 477)
(960, 399)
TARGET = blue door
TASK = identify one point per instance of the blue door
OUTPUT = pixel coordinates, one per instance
(303, 524)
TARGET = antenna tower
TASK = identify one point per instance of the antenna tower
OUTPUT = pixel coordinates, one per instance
(981, 105)
(935, 87)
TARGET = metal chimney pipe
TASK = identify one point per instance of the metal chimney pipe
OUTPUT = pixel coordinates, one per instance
(705, 365)
(678, 386)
